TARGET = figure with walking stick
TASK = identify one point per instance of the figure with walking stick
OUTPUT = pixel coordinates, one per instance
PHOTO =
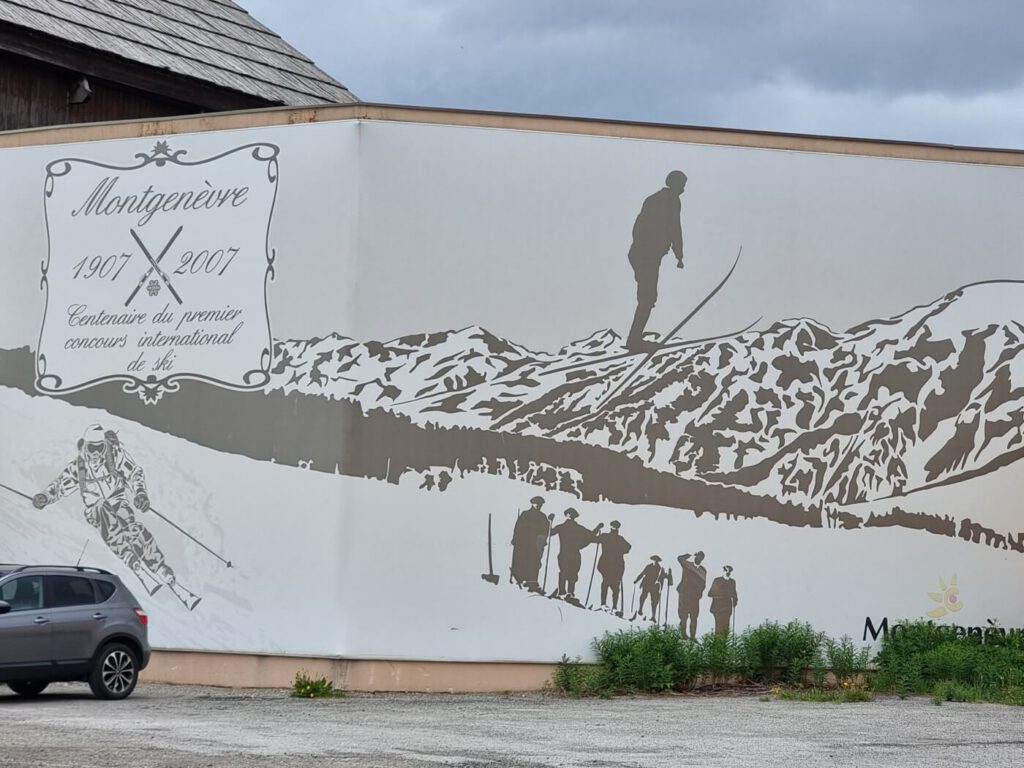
(611, 564)
(572, 539)
(723, 600)
(113, 486)
(650, 580)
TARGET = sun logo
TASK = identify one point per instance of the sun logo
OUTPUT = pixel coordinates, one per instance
(948, 598)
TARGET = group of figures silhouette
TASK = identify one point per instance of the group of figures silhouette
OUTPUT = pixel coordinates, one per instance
(532, 540)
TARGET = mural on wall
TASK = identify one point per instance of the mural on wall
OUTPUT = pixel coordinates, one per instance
(119, 313)
(533, 543)
(113, 487)
(157, 312)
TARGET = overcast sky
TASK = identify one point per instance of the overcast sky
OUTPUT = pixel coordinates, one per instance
(943, 71)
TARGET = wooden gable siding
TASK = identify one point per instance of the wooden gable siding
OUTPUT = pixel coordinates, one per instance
(34, 95)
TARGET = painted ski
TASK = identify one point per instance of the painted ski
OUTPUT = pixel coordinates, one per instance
(663, 348)
(647, 356)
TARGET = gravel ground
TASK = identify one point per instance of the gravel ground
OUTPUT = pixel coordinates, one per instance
(191, 727)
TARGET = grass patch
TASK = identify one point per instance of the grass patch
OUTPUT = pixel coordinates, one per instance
(841, 695)
(307, 687)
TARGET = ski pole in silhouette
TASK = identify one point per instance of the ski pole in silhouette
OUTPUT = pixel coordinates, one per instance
(593, 569)
(648, 355)
(664, 612)
(16, 493)
(163, 517)
(632, 603)
(490, 576)
(189, 536)
(547, 557)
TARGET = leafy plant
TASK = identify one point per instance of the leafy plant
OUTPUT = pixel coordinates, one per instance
(724, 655)
(652, 659)
(307, 687)
(844, 658)
(575, 678)
(800, 646)
(948, 690)
(921, 657)
(763, 647)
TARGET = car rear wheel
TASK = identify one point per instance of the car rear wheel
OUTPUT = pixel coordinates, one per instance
(115, 672)
(28, 688)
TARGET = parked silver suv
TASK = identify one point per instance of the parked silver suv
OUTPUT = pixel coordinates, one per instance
(63, 623)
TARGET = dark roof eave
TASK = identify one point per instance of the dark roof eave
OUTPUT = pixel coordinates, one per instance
(190, 91)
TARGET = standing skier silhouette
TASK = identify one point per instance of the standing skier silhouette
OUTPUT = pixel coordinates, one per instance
(656, 231)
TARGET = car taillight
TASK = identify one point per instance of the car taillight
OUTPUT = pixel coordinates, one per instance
(143, 617)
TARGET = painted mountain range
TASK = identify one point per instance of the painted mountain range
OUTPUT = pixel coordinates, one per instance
(795, 411)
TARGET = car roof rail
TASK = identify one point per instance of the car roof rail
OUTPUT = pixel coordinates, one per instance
(77, 568)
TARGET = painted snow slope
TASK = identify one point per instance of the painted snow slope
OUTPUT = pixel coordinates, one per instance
(796, 411)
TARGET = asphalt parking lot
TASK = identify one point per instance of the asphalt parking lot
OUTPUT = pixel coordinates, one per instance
(191, 727)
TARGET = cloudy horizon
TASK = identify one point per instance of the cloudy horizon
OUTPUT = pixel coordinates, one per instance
(903, 70)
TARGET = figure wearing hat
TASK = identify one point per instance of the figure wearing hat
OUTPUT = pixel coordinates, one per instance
(572, 539)
(529, 537)
(723, 600)
(612, 564)
(113, 486)
(650, 580)
(691, 589)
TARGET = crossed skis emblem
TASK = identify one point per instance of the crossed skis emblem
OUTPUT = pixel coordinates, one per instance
(154, 266)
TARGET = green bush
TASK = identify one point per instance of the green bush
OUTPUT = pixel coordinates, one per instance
(306, 687)
(763, 646)
(772, 649)
(724, 655)
(844, 658)
(949, 690)
(652, 659)
(921, 657)
(575, 678)
(656, 659)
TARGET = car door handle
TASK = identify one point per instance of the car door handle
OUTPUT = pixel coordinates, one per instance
(40, 620)
(99, 616)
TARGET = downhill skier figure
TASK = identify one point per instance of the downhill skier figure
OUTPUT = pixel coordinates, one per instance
(110, 483)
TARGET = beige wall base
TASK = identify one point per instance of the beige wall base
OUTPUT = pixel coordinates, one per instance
(239, 670)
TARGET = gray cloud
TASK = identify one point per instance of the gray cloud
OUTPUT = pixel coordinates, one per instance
(929, 70)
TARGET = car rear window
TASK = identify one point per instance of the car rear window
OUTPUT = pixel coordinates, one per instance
(104, 590)
(64, 591)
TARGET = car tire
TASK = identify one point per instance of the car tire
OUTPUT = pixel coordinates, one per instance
(115, 672)
(28, 688)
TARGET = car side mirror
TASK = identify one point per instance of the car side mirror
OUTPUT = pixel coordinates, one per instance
(4, 607)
